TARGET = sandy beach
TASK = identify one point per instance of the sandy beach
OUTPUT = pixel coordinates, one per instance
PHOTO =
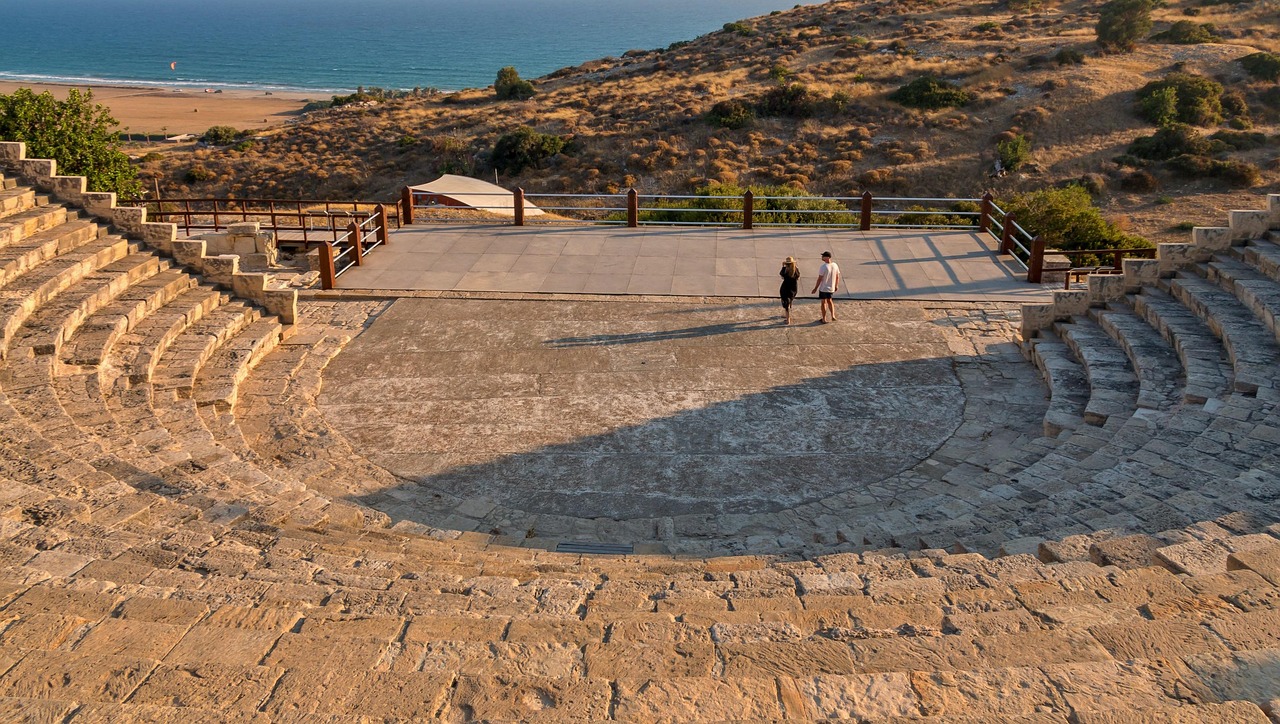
(189, 110)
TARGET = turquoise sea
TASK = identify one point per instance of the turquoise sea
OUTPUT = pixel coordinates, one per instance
(337, 45)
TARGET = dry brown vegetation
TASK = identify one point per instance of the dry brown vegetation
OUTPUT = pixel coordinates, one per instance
(639, 120)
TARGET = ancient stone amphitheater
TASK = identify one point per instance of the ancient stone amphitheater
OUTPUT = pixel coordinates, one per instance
(186, 537)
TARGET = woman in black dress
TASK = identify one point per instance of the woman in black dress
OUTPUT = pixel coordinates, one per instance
(790, 283)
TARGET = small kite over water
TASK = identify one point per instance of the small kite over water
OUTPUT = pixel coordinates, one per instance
(173, 65)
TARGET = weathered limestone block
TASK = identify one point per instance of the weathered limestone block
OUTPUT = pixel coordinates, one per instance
(283, 303)
(38, 169)
(1273, 210)
(1175, 256)
(1211, 238)
(1104, 288)
(160, 236)
(188, 253)
(221, 269)
(12, 151)
(98, 203)
(1055, 268)
(1035, 317)
(1070, 304)
(1140, 272)
(249, 286)
(1246, 225)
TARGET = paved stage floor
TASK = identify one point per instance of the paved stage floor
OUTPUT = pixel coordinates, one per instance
(880, 264)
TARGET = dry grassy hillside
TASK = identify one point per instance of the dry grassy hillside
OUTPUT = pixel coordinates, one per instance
(640, 120)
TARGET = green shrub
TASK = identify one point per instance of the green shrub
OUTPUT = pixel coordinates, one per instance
(1234, 104)
(780, 73)
(198, 174)
(1240, 140)
(1014, 152)
(1262, 66)
(733, 113)
(931, 94)
(1199, 99)
(245, 145)
(1160, 106)
(794, 100)
(1067, 219)
(1140, 181)
(1121, 23)
(510, 86)
(317, 106)
(76, 132)
(1069, 56)
(1188, 32)
(524, 148)
(221, 136)
(746, 30)
(987, 27)
(1171, 141)
(1235, 173)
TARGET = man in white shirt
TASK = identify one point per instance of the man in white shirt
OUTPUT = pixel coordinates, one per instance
(826, 287)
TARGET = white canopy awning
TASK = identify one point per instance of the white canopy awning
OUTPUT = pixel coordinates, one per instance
(476, 194)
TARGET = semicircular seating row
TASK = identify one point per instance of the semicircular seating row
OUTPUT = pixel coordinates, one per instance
(158, 563)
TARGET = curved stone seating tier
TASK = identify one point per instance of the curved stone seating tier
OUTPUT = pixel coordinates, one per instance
(177, 540)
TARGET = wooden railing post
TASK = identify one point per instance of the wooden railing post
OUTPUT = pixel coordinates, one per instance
(633, 208)
(748, 208)
(865, 221)
(382, 223)
(328, 279)
(1117, 260)
(406, 205)
(518, 205)
(354, 233)
(1006, 235)
(984, 220)
(1035, 267)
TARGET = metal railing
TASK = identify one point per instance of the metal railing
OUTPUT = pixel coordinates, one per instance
(293, 222)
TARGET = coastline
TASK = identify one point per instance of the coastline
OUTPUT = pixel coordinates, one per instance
(153, 109)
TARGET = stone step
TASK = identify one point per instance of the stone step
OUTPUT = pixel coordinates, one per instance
(36, 249)
(191, 349)
(23, 224)
(50, 326)
(1161, 378)
(90, 345)
(1257, 291)
(1204, 360)
(16, 200)
(219, 379)
(1250, 346)
(137, 353)
(1113, 387)
(1068, 385)
(1262, 255)
(22, 296)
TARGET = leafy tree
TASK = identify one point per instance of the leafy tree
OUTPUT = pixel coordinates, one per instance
(930, 93)
(77, 133)
(1121, 23)
(510, 86)
(1067, 219)
(524, 148)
